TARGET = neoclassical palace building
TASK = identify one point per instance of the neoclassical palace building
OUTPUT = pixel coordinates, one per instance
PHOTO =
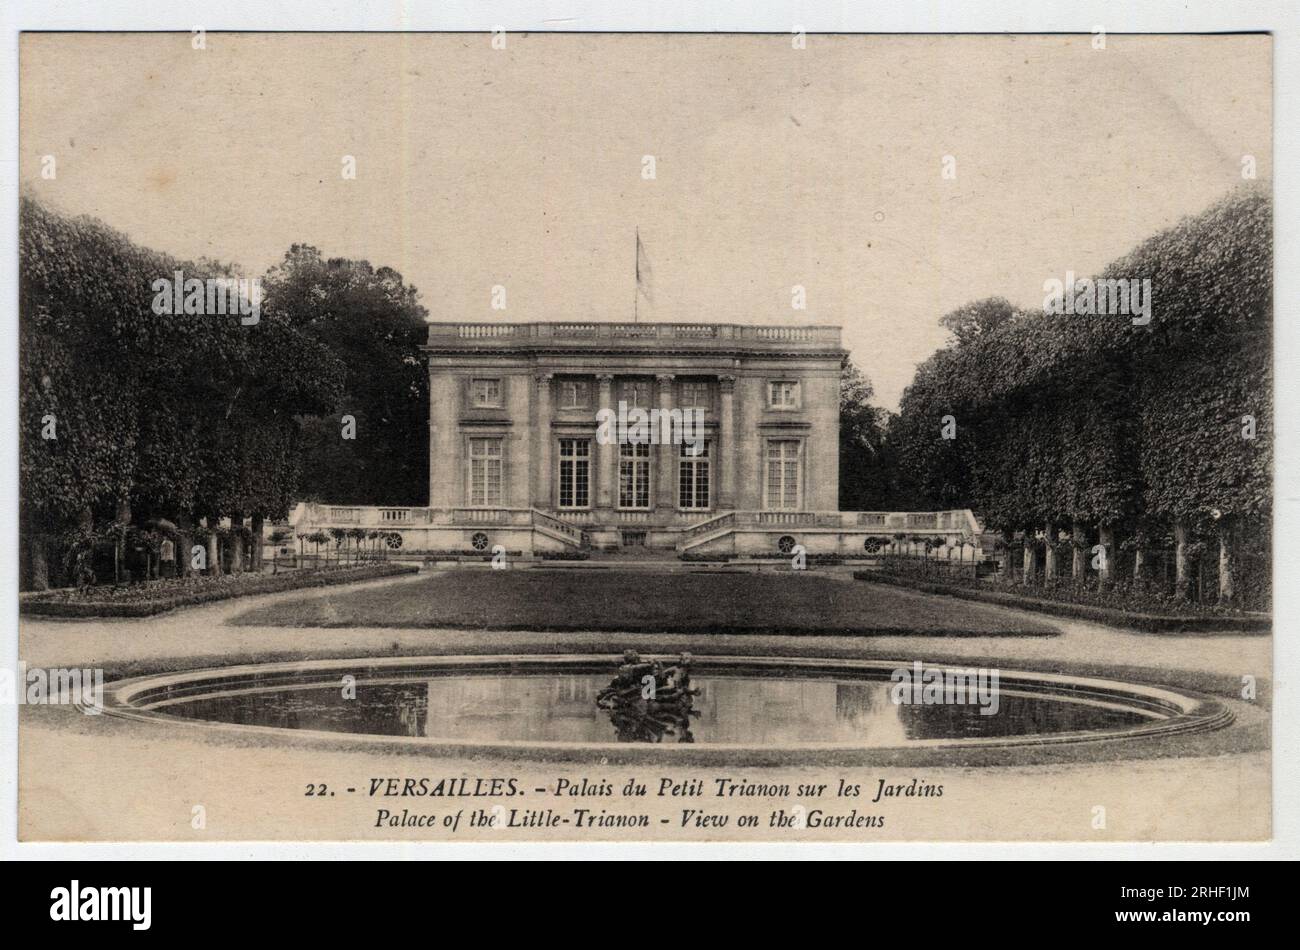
(741, 456)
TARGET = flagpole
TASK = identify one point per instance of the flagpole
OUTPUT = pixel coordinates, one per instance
(636, 266)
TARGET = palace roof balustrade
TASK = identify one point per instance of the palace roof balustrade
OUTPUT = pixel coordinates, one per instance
(632, 337)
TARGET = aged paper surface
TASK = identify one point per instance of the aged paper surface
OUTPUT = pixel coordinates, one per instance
(612, 437)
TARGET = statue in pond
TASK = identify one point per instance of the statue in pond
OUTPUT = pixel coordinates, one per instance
(647, 700)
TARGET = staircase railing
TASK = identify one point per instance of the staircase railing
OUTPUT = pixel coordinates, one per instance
(563, 528)
(716, 523)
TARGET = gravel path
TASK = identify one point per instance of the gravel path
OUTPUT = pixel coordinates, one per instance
(203, 634)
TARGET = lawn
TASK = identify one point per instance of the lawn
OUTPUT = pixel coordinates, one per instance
(554, 600)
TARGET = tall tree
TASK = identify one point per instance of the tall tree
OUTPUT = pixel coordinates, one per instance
(132, 416)
(374, 322)
(870, 476)
(1116, 423)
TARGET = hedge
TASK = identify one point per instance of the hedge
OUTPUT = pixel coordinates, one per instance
(145, 600)
(1151, 623)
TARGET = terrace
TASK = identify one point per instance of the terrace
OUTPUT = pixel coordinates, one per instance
(691, 528)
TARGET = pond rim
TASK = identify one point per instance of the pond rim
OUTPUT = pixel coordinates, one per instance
(1186, 713)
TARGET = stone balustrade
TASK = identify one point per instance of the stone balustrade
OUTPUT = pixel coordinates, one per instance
(509, 335)
(686, 529)
(956, 521)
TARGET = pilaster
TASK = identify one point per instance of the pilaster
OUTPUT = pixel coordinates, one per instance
(666, 455)
(541, 496)
(725, 460)
(606, 473)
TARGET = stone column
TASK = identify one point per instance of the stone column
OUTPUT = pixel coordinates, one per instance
(605, 476)
(724, 459)
(665, 455)
(540, 494)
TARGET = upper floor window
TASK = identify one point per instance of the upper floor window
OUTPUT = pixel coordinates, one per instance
(574, 394)
(783, 394)
(485, 393)
(695, 395)
(636, 393)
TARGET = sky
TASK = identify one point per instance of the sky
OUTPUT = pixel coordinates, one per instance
(775, 167)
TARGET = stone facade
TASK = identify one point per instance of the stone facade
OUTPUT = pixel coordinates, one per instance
(514, 418)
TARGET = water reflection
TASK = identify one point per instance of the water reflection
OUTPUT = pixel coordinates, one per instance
(721, 709)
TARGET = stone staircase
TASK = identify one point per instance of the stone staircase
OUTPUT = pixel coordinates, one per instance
(558, 530)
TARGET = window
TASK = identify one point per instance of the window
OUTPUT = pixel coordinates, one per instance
(782, 481)
(693, 477)
(484, 472)
(636, 393)
(695, 395)
(783, 394)
(574, 394)
(485, 393)
(575, 473)
(634, 475)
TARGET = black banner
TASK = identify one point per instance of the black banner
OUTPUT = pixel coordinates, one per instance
(336, 899)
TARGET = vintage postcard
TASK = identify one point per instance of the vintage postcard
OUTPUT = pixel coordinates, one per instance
(645, 437)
